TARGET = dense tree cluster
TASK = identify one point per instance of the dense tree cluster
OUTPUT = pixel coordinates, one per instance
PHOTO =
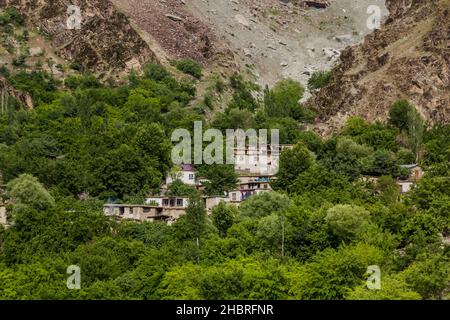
(312, 238)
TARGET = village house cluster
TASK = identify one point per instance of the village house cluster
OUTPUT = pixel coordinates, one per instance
(253, 178)
(251, 181)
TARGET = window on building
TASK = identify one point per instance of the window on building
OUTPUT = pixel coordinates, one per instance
(146, 210)
(172, 202)
(233, 196)
(191, 176)
(179, 202)
(165, 202)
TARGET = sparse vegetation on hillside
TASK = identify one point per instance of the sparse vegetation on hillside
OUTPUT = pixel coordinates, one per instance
(319, 79)
(189, 66)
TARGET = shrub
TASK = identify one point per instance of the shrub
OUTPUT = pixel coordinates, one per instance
(19, 61)
(319, 79)
(11, 15)
(75, 66)
(189, 66)
(82, 82)
(398, 114)
(155, 72)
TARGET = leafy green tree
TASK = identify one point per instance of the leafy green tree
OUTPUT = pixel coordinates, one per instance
(284, 100)
(393, 287)
(332, 273)
(346, 220)
(351, 158)
(243, 98)
(272, 233)
(223, 217)
(106, 258)
(196, 218)
(155, 72)
(179, 189)
(124, 171)
(26, 190)
(429, 276)
(220, 178)
(415, 131)
(264, 204)
(388, 189)
(398, 114)
(292, 164)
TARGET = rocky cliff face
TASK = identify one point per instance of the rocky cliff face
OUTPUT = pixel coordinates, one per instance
(105, 43)
(409, 57)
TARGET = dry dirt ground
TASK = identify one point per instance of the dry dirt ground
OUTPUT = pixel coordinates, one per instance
(269, 38)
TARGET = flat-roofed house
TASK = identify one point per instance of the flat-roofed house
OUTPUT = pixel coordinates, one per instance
(136, 212)
(155, 209)
(168, 202)
(261, 161)
(186, 173)
(249, 187)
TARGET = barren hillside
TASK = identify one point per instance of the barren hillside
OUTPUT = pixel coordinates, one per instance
(105, 43)
(409, 57)
(270, 39)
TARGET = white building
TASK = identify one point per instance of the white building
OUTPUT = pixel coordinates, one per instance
(186, 173)
(259, 161)
(168, 202)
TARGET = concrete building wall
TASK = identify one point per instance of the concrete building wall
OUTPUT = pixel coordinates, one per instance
(187, 177)
(211, 202)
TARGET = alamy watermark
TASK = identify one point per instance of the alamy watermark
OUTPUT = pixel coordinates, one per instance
(374, 279)
(74, 280)
(248, 149)
(374, 20)
(74, 17)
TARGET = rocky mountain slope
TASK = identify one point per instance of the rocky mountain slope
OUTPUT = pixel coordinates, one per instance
(105, 43)
(409, 57)
(265, 39)
(270, 39)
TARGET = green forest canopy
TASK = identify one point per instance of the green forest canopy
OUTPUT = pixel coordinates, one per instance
(312, 238)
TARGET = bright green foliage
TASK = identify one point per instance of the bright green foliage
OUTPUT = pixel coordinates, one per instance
(392, 288)
(284, 100)
(311, 239)
(332, 273)
(346, 220)
(189, 66)
(398, 114)
(264, 204)
(221, 178)
(223, 217)
(179, 189)
(319, 79)
(26, 190)
(292, 164)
